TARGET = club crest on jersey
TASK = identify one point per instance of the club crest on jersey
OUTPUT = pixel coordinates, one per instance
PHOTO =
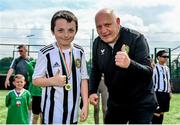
(56, 65)
(127, 49)
(18, 103)
(78, 63)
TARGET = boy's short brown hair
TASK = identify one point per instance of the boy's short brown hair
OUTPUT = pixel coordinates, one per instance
(18, 76)
(64, 14)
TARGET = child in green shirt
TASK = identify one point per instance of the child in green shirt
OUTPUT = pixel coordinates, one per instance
(18, 101)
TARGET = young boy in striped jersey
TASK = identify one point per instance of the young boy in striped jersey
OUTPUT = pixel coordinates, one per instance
(61, 71)
(162, 86)
(18, 101)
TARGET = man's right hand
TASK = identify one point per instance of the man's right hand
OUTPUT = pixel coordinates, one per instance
(7, 83)
(94, 99)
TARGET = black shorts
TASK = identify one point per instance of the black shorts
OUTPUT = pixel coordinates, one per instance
(163, 101)
(36, 105)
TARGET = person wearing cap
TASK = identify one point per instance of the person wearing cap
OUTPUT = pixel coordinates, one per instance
(162, 86)
(19, 66)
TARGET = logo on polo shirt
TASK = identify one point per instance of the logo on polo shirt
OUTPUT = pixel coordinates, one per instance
(56, 65)
(102, 51)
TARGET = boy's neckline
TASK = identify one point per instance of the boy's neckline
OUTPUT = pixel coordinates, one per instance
(63, 47)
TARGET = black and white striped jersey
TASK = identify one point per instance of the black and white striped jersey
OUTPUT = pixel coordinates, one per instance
(161, 78)
(58, 105)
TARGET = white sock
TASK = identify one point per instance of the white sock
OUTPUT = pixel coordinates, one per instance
(30, 116)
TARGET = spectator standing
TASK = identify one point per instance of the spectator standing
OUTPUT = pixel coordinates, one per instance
(19, 66)
(36, 93)
(162, 86)
(103, 95)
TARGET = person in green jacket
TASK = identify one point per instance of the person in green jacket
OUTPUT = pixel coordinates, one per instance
(18, 101)
(35, 93)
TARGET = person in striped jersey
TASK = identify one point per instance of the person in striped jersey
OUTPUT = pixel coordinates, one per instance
(61, 71)
(162, 86)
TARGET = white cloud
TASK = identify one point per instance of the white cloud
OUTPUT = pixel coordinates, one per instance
(17, 22)
(134, 22)
(148, 3)
(171, 20)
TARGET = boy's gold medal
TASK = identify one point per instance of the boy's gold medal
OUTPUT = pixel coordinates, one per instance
(68, 86)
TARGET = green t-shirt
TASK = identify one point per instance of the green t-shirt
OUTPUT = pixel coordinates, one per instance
(18, 107)
(34, 90)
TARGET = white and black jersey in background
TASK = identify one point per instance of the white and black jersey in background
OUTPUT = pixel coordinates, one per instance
(161, 78)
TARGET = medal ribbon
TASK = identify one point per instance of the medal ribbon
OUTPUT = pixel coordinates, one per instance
(68, 69)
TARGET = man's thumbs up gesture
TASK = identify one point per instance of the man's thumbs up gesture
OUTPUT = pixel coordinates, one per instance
(122, 59)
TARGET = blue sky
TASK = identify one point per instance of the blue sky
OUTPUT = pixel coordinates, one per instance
(158, 20)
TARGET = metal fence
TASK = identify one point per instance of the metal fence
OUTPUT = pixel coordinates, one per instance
(10, 52)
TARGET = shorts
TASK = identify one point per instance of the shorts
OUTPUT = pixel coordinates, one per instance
(36, 105)
(163, 102)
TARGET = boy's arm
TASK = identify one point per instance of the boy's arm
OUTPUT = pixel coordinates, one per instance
(84, 93)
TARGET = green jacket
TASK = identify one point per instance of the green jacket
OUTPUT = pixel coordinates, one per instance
(34, 90)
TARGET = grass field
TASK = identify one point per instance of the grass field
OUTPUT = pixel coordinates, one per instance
(171, 117)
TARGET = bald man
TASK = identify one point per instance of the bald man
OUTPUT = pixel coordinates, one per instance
(122, 55)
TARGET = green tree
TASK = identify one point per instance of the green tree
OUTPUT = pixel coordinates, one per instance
(4, 64)
(89, 64)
